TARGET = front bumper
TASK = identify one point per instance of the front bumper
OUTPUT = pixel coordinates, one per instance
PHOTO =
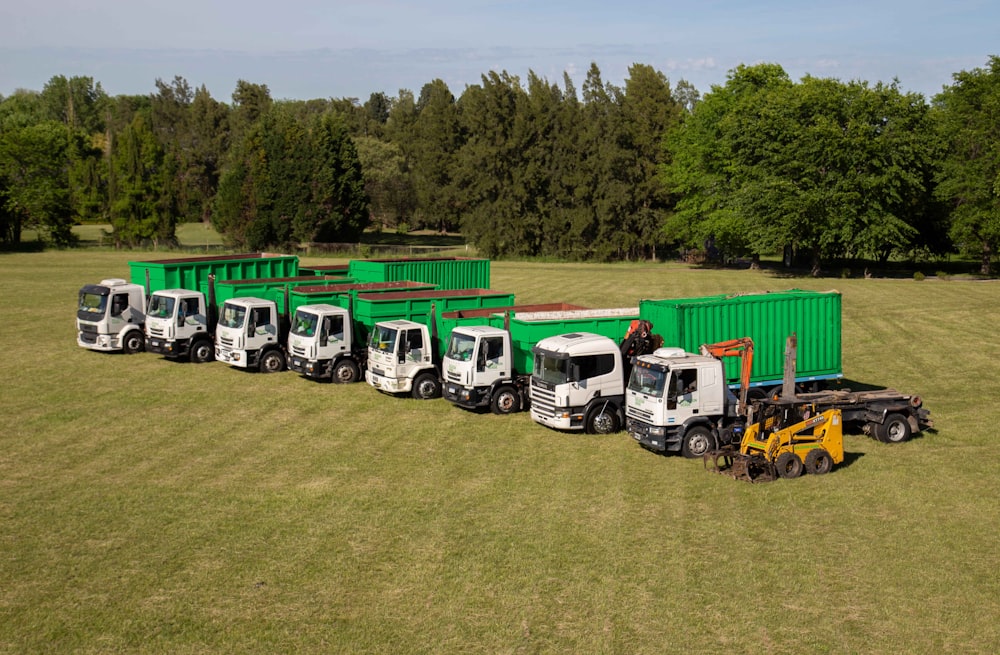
(237, 358)
(314, 369)
(375, 378)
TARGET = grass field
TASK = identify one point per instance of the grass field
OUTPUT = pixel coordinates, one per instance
(156, 507)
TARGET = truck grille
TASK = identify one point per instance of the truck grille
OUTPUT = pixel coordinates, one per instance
(298, 350)
(543, 401)
(453, 377)
(88, 328)
(226, 341)
(635, 412)
(155, 331)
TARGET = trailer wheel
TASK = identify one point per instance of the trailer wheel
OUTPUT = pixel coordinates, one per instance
(895, 429)
(202, 351)
(506, 401)
(133, 343)
(426, 386)
(789, 465)
(697, 441)
(345, 372)
(603, 419)
(272, 362)
(818, 462)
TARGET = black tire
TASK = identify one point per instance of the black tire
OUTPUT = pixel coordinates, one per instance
(788, 465)
(506, 400)
(818, 462)
(345, 372)
(697, 441)
(603, 419)
(895, 429)
(133, 342)
(426, 386)
(273, 361)
(202, 351)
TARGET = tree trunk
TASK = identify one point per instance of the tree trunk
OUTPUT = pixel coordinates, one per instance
(985, 264)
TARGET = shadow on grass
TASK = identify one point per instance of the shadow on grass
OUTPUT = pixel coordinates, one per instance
(24, 246)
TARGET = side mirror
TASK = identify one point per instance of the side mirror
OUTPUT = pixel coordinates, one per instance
(574, 373)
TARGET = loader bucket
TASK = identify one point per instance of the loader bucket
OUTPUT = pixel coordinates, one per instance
(749, 468)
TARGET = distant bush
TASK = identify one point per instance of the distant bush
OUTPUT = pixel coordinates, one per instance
(918, 276)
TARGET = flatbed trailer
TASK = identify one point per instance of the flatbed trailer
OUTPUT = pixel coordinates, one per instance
(885, 414)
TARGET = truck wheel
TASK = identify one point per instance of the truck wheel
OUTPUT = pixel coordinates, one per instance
(426, 386)
(133, 343)
(202, 351)
(506, 401)
(895, 429)
(345, 372)
(272, 362)
(697, 441)
(818, 462)
(789, 465)
(603, 420)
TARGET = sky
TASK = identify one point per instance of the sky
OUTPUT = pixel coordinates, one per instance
(306, 49)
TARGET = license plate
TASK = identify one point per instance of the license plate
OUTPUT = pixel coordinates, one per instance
(154, 343)
(452, 390)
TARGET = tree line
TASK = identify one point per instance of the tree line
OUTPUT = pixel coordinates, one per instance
(815, 169)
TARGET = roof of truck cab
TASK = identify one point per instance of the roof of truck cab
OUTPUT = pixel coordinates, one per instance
(581, 343)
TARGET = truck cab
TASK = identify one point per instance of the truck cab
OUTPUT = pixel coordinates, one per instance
(478, 369)
(674, 400)
(110, 316)
(179, 324)
(577, 383)
(250, 335)
(321, 344)
(401, 359)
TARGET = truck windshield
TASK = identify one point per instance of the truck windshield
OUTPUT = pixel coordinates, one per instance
(384, 339)
(551, 369)
(460, 347)
(304, 324)
(161, 306)
(232, 316)
(648, 381)
(93, 304)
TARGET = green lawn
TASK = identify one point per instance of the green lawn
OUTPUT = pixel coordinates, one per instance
(155, 507)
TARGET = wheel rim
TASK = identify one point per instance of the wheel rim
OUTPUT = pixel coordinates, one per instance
(202, 353)
(505, 402)
(426, 388)
(604, 423)
(698, 444)
(344, 373)
(271, 363)
(896, 431)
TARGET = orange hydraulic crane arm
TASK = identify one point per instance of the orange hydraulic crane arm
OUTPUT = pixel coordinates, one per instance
(742, 348)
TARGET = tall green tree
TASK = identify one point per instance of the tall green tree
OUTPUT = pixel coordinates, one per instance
(492, 215)
(339, 207)
(435, 140)
(826, 168)
(968, 113)
(142, 187)
(387, 182)
(649, 111)
(34, 174)
(292, 181)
